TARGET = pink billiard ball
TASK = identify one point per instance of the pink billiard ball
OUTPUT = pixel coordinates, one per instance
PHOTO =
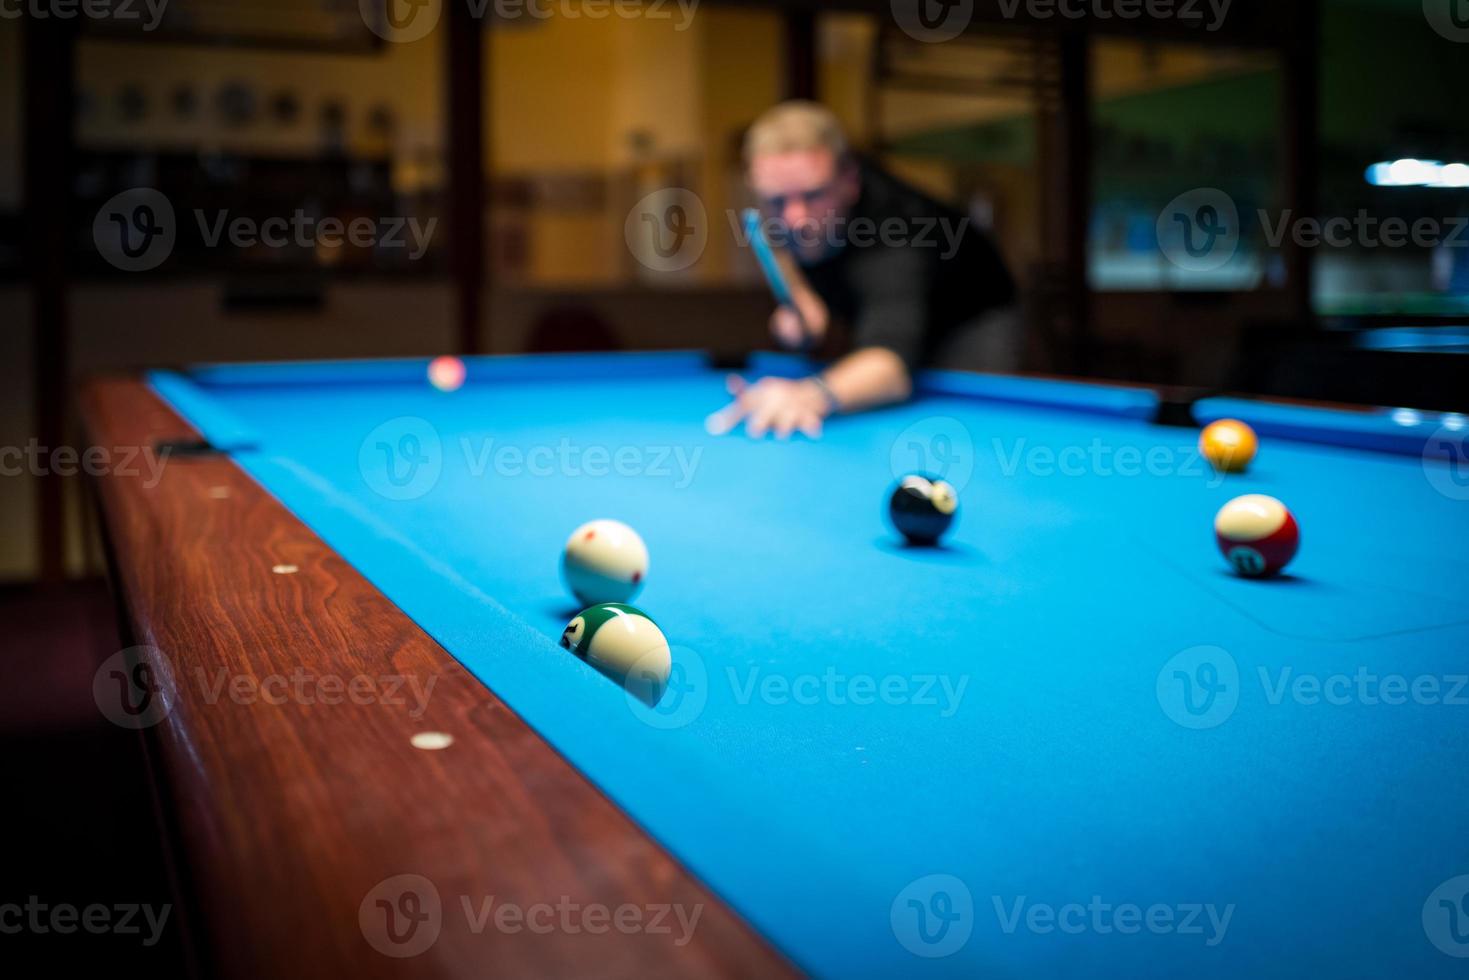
(1257, 534)
(446, 373)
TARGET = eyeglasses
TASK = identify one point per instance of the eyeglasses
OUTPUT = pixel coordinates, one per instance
(776, 203)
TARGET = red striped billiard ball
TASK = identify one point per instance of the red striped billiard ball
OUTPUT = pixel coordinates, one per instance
(1257, 535)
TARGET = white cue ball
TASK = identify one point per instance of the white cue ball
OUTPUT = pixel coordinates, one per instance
(622, 642)
(604, 561)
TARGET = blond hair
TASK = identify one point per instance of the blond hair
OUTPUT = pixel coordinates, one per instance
(795, 126)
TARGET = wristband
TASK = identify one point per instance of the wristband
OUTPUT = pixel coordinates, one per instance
(832, 405)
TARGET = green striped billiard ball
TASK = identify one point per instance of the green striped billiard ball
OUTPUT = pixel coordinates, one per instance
(624, 643)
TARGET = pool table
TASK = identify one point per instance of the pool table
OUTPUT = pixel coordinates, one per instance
(1068, 741)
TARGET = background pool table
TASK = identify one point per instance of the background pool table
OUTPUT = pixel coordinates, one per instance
(1068, 740)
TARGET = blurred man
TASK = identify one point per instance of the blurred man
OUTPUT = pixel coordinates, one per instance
(915, 282)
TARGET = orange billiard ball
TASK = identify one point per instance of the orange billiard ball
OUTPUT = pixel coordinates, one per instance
(1229, 445)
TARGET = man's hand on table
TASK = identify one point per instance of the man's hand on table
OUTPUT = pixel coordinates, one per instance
(863, 379)
(779, 405)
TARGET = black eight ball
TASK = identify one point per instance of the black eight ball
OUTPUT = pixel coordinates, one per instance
(922, 508)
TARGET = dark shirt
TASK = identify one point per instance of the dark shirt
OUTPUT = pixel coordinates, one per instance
(906, 276)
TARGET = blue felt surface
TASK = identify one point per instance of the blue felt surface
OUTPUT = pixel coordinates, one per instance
(1434, 436)
(1072, 580)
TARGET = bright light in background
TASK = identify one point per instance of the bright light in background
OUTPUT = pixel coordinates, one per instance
(1418, 173)
(1454, 175)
